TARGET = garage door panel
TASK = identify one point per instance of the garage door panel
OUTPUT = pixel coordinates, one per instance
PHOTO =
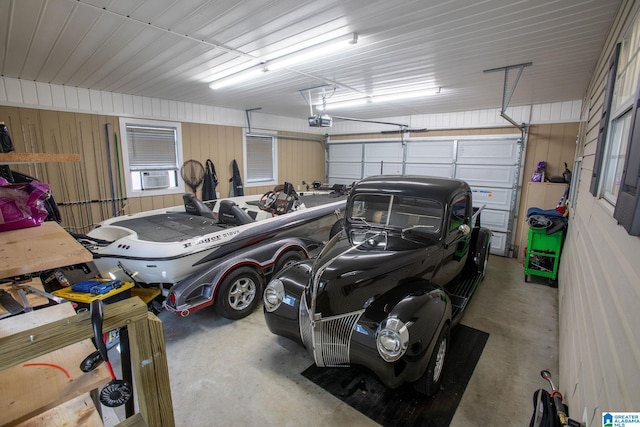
(493, 198)
(343, 181)
(345, 170)
(345, 153)
(387, 169)
(444, 171)
(383, 151)
(495, 220)
(487, 175)
(499, 243)
(430, 152)
(488, 152)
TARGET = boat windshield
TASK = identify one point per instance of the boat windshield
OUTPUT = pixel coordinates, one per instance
(394, 211)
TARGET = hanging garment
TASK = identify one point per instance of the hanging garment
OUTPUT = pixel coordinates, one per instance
(210, 182)
(236, 181)
(6, 145)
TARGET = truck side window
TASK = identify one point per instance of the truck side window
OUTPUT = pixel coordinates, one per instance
(458, 213)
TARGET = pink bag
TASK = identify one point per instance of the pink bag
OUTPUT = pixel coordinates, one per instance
(22, 205)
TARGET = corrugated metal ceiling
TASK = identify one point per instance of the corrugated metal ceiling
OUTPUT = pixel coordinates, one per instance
(170, 49)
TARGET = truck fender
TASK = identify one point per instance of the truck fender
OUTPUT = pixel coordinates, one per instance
(422, 306)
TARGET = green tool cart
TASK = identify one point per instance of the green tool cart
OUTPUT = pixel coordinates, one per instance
(543, 254)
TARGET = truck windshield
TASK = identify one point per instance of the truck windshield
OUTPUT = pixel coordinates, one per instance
(396, 211)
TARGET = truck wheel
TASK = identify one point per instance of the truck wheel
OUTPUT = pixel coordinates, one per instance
(429, 382)
(239, 293)
(483, 258)
(287, 259)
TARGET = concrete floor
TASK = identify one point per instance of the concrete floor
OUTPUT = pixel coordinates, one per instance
(236, 373)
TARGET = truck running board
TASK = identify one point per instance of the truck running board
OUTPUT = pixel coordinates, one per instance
(461, 292)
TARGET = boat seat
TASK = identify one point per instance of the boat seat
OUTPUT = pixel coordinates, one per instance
(194, 206)
(231, 213)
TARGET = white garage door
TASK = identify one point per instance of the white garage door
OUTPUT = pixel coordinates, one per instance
(490, 164)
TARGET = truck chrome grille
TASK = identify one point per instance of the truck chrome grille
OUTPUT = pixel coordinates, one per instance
(329, 339)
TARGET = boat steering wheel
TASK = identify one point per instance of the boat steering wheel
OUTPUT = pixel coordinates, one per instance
(267, 201)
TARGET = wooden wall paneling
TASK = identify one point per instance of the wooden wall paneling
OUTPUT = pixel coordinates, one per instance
(93, 136)
(88, 166)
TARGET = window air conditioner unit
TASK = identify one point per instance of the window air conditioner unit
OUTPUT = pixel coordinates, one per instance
(155, 179)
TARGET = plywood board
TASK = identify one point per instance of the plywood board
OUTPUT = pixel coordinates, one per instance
(34, 249)
(79, 412)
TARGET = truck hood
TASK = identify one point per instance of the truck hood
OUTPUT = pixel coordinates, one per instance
(348, 278)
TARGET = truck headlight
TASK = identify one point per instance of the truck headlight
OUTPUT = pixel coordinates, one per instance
(273, 295)
(392, 339)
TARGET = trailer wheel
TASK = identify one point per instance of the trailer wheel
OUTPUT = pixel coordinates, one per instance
(429, 382)
(239, 293)
(287, 259)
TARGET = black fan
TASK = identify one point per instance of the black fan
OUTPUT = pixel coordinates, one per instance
(192, 173)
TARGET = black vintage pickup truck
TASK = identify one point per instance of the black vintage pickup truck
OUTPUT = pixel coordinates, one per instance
(385, 291)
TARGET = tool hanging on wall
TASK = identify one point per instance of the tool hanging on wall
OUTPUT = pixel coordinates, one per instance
(192, 173)
(111, 185)
(210, 181)
(237, 188)
(121, 196)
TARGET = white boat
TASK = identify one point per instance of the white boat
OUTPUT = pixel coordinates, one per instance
(165, 246)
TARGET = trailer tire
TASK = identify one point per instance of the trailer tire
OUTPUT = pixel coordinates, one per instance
(239, 293)
(287, 259)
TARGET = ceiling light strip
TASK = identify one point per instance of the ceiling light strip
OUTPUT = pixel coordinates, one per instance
(312, 52)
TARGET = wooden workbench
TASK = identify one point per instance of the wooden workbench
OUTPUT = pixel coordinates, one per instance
(34, 249)
(30, 390)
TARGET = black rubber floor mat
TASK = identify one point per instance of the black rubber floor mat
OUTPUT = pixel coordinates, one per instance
(361, 390)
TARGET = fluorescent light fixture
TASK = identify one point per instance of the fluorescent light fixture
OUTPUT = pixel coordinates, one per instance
(314, 52)
(285, 60)
(344, 104)
(238, 78)
(377, 99)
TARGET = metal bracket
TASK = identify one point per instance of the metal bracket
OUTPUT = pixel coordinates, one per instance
(248, 114)
(507, 98)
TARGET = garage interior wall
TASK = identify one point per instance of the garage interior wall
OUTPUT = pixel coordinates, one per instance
(87, 183)
(599, 280)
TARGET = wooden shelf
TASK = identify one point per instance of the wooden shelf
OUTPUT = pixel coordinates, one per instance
(34, 249)
(15, 158)
(31, 390)
(148, 358)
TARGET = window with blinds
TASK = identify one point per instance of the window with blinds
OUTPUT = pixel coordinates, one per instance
(260, 159)
(151, 152)
(152, 148)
